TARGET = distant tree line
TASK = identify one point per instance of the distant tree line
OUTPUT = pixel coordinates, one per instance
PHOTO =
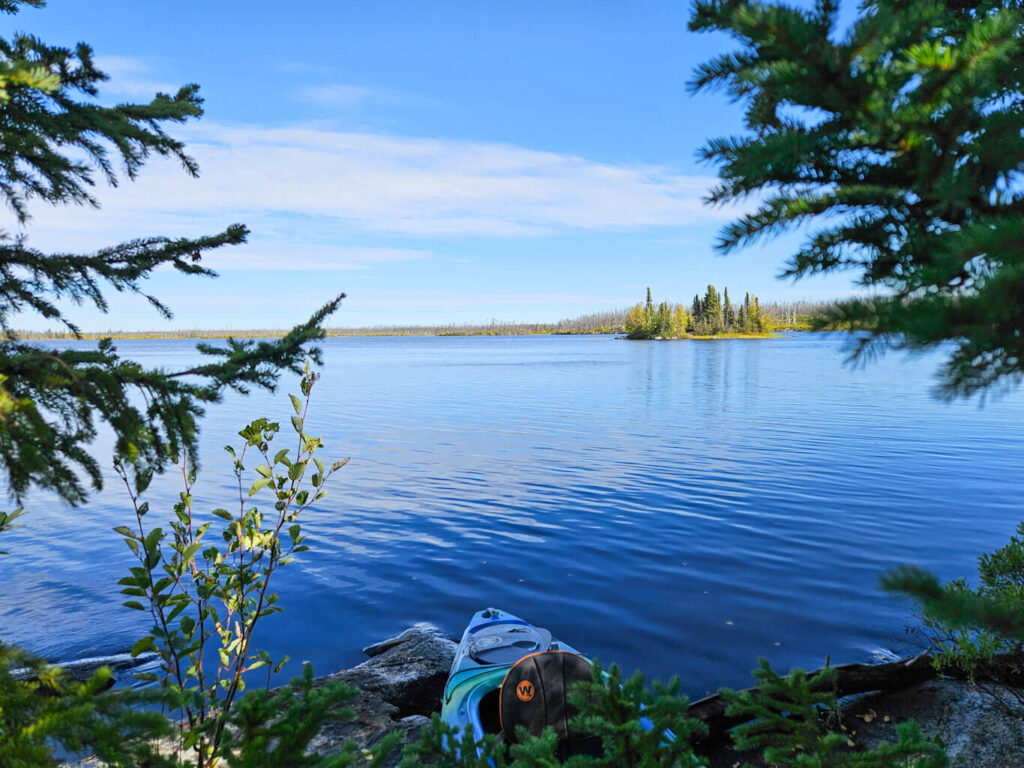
(710, 315)
(795, 315)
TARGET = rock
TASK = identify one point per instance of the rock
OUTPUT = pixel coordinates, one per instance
(408, 671)
(411, 633)
(980, 725)
(410, 729)
(373, 717)
(121, 664)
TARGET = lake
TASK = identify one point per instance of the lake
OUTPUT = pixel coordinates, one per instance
(681, 507)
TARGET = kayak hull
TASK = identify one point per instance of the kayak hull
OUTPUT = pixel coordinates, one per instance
(470, 698)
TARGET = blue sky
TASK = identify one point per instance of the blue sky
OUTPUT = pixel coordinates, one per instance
(438, 162)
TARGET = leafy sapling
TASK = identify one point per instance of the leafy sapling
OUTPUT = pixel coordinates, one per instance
(206, 594)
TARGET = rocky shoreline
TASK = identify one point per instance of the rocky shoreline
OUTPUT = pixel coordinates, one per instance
(401, 683)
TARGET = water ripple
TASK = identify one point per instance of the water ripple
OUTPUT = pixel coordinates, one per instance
(684, 507)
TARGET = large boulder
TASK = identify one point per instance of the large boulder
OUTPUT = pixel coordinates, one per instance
(980, 725)
(407, 671)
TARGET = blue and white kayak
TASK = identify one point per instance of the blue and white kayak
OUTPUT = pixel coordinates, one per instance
(493, 642)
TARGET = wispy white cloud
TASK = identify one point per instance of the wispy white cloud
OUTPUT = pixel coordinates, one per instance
(371, 183)
(132, 77)
(277, 253)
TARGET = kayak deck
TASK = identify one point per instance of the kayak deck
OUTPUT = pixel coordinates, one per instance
(493, 641)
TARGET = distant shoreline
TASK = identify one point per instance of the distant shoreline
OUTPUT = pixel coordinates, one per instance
(276, 334)
(350, 333)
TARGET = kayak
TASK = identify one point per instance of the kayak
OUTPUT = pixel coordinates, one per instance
(509, 673)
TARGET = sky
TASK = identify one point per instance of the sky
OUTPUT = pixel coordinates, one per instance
(443, 162)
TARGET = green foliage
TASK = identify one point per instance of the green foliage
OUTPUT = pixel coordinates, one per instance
(1002, 571)
(7, 522)
(276, 728)
(441, 746)
(631, 721)
(709, 316)
(896, 142)
(640, 727)
(56, 144)
(206, 595)
(785, 726)
(42, 708)
(972, 625)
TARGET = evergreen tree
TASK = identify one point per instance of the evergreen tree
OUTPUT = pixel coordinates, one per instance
(897, 141)
(663, 320)
(753, 324)
(729, 319)
(712, 306)
(56, 143)
(743, 316)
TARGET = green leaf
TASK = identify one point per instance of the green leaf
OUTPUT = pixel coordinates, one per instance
(152, 540)
(264, 470)
(262, 482)
(223, 514)
(142, 646)
(125, 531)
(134, 605)
(296, 404)
(297, 424)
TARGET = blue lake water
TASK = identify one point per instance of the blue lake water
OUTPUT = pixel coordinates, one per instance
(681, 507)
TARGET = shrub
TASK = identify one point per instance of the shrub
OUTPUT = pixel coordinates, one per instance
(206, 595)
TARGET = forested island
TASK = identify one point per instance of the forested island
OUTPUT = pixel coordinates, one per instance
(710, 315)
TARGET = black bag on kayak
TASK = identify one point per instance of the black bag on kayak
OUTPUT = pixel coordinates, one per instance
(535, 695)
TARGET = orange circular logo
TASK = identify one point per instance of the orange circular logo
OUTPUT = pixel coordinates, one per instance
(524, 690)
